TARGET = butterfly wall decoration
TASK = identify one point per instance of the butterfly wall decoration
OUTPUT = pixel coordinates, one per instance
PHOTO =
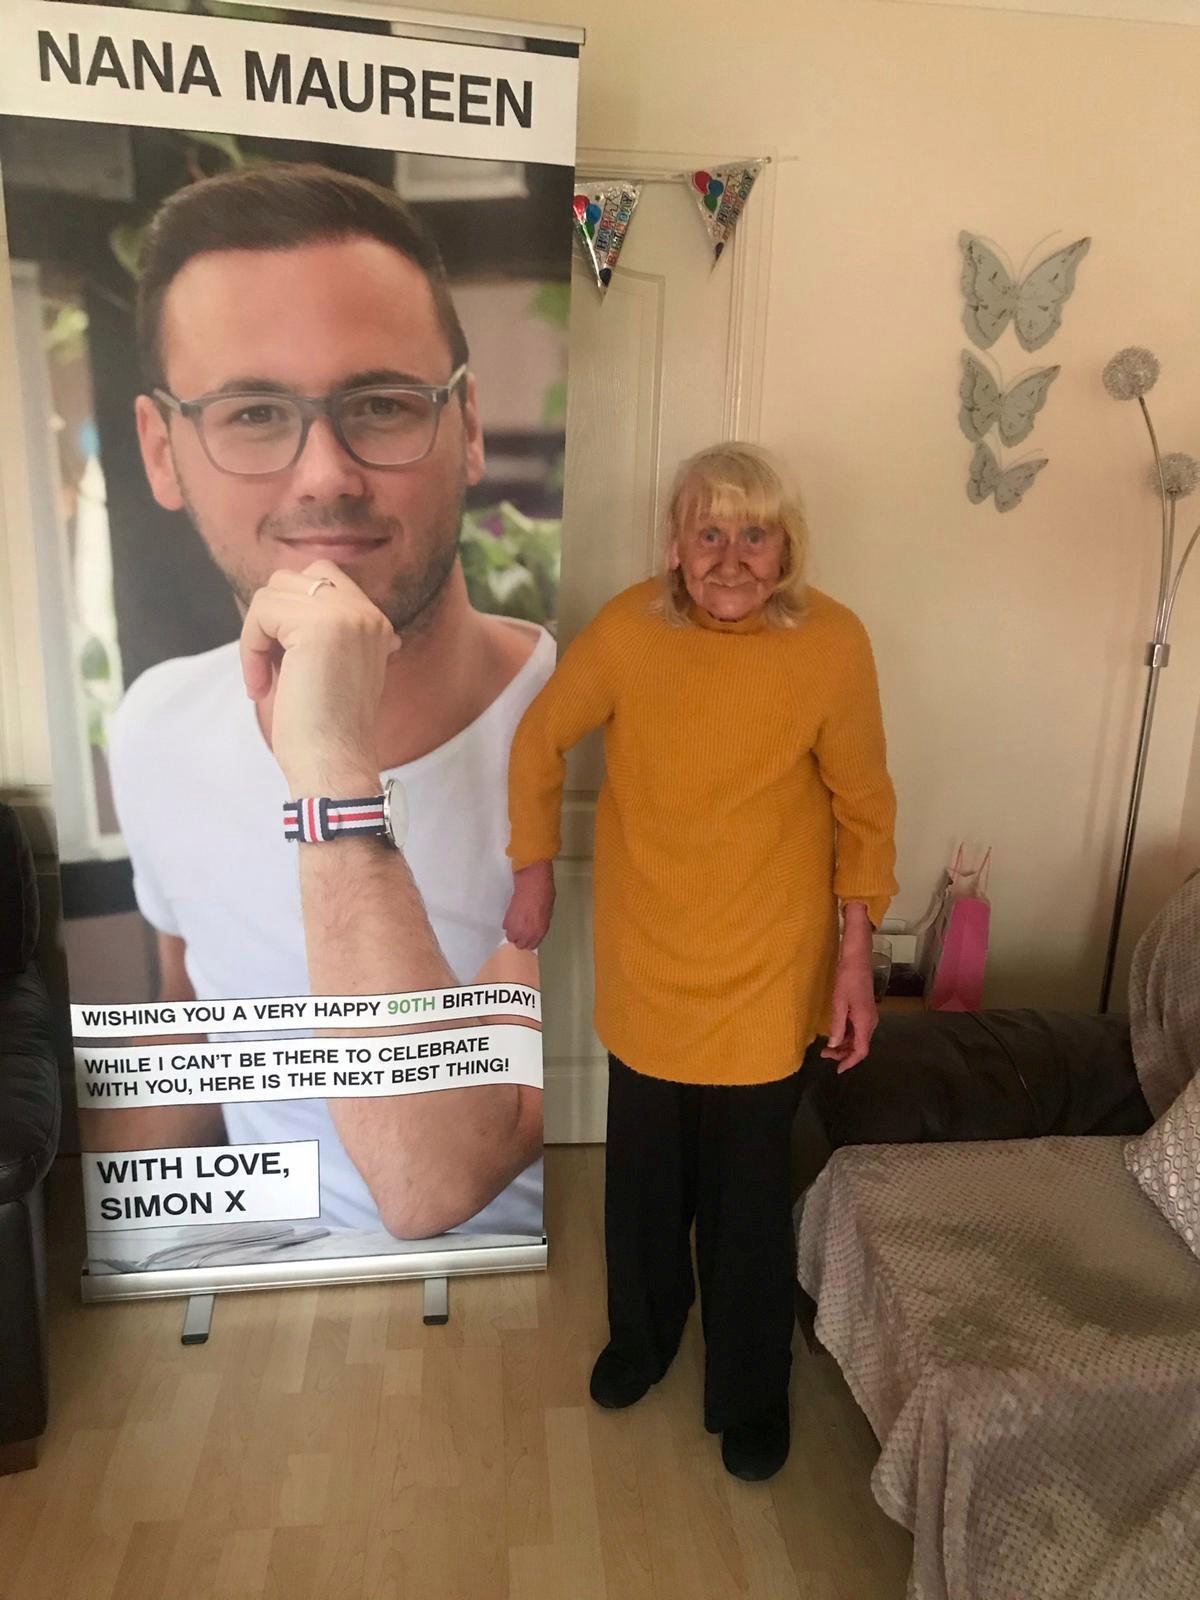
(1033, 304)
(986, 404)
(1008, 484)
(994, 297)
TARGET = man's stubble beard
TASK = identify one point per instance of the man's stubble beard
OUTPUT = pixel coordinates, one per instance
(414, 599)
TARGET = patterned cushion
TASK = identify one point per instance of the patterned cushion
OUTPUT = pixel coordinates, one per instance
(1164, 999)
(1166, 1162)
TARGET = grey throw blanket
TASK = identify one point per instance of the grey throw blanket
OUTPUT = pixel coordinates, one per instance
(1164, 999)
(1022, 1329)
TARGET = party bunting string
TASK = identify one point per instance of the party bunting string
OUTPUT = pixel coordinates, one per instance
(722, 193)
(602, 218)
(603, 209)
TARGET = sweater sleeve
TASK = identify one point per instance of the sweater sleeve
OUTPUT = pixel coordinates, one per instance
(852, 758)
(577, 698)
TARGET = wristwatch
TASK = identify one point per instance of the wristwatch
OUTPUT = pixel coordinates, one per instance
(316, 819)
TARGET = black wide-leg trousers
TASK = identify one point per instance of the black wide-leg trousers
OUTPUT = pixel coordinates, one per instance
(718, 1156)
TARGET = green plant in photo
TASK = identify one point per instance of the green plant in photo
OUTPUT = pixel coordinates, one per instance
(96, 681)
(552, 304)
(511, 562)
(125, 238)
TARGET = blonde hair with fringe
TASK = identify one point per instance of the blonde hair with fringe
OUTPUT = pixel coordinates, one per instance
(739, 483)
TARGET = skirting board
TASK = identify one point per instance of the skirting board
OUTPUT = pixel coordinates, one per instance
(299, 1274)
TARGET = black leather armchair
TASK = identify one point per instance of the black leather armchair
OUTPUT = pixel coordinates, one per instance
(29, 1122)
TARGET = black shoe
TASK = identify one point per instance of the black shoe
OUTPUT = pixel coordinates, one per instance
(616, 1382)
(757, 1449)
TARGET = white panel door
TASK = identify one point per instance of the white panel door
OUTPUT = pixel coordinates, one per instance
(667, 362)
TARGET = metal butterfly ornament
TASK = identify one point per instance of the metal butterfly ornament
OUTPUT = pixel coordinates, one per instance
(1033, 304)
(985, 404)
(1007, 484)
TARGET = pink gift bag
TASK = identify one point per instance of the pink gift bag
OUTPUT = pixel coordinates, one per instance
(957, 952)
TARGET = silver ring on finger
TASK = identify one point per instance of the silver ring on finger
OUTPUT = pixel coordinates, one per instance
(319, 583)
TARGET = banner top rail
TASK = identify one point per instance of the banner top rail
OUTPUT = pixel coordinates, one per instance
(440, 24)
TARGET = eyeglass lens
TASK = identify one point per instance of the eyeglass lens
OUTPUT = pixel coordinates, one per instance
(251, 433)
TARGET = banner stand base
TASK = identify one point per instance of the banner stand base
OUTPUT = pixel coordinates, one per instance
(197, 1319)
(461, 1259)
(437, 1303)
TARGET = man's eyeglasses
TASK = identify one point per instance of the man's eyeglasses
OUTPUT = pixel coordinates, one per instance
(253, 434)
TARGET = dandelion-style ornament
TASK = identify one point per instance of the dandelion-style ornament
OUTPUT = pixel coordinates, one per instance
(1130, 375)
(1180, 475)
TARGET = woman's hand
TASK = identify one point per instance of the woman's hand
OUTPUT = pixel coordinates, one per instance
(854, 1015)
(529, 911)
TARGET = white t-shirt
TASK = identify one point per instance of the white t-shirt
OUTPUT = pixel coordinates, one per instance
(200, 799)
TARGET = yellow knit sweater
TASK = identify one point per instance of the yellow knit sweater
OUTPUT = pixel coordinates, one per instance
(746, 791)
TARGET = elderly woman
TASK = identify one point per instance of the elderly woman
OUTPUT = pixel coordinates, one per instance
(746, 797)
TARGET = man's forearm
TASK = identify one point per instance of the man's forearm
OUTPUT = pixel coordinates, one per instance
(430, 1160)
(151, 1127)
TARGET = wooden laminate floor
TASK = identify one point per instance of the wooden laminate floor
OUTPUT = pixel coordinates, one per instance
(326, 1443)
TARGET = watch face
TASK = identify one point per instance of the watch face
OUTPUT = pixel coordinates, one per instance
(395, 812)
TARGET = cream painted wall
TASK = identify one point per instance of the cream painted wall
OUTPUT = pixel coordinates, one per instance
(1010, 646)
(1129, 10)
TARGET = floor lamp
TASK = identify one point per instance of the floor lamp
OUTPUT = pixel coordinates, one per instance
(1129, 376)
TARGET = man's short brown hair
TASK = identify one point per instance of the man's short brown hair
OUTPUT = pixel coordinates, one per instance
(278, 207)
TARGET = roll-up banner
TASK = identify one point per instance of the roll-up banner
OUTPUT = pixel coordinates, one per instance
(289, 298)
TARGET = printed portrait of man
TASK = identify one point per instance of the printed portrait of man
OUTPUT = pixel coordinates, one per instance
(309, 405)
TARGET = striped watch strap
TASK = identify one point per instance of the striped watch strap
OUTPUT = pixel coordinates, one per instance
(318, 820)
